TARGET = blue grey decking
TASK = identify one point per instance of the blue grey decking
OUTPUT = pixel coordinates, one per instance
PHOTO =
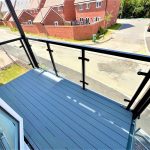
(59, 115)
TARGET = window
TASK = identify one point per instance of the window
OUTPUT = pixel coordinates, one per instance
(11, 128)
(87, 5)
(98, 4)
(81, 20)
(98, 18)
(80, 7)
(30, 22)
(56, 23)
(87, 20)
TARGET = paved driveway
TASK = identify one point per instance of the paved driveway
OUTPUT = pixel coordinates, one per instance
(130, 37)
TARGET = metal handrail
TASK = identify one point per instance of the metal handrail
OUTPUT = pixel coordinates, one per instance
(10, 41)
(95, 49)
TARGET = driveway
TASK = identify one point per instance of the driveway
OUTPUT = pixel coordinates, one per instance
(129, 38)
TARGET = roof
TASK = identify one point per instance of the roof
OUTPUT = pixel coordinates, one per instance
(22, 4)
(34, 4)
(5, 16)
(41, 15)
(59, 115)
(48, 5)
(18, 13)
(4, 6)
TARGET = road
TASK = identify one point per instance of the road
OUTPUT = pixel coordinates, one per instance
(129, 38)
(113, 77)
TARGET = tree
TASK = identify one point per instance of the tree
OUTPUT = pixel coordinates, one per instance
(135, 9)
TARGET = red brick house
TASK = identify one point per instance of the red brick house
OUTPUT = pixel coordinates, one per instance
(60, 12)
(27, 10)
(91, 11)
(56, 12)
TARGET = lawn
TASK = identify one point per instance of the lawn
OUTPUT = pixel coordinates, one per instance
(115, 26)
(11, 73)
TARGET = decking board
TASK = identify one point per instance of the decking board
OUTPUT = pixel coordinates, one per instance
(58, 114)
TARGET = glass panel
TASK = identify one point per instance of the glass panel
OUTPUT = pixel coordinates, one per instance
(114, 77)
(66, 60)
(9, 132)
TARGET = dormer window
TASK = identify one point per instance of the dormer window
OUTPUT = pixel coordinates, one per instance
(80, 7)
(87, 5)
(98, 4)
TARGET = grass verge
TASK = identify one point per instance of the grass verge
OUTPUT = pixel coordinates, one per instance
(10, 73)
(115, 26)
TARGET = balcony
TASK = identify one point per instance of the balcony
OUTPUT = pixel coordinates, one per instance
(60, 114)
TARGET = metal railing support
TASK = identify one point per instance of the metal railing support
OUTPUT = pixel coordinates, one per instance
(25, 40)
(142, 85)
(23, 46)
(83, 68)
(51, 57)
(141, 106)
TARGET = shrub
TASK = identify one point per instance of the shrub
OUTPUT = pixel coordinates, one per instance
(100, 32)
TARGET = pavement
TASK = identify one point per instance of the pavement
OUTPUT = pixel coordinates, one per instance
(113, 77)
(5, 59)
(129, 38)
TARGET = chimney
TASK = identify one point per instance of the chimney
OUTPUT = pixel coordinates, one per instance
(69, 10)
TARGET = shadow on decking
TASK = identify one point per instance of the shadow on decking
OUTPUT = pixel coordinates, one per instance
(58, 114)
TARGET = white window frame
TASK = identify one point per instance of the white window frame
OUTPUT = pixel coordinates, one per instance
(80, 7)
(56, 23)
(98, 4)
(11, 112)
(87, 5)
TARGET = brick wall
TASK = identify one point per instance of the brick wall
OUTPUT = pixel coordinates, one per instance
(91, 12)
(11, 24)
(113, 9)
(1, 23)
(30, 29)
(66, 32)
(86, 32)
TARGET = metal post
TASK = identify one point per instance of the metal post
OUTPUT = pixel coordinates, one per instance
(83, 69)
(51, 57)
(141, 106)
(25, 40)
(142, 85)
(23, 46)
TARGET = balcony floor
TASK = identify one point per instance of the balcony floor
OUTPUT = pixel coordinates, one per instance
(59, 115)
